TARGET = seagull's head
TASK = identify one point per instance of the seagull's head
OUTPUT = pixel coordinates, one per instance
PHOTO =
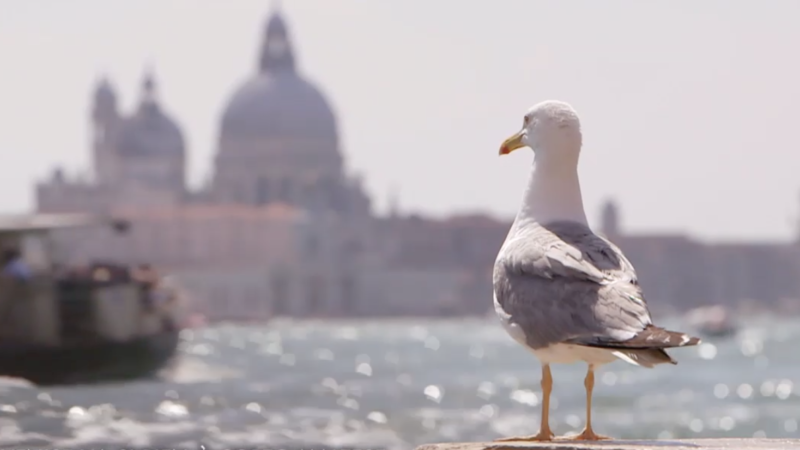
(551, 128)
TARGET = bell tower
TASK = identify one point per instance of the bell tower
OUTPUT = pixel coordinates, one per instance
(104, 119)
(610, 219)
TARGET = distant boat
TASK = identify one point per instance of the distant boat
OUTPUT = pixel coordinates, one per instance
(712, 321)
(64, 324)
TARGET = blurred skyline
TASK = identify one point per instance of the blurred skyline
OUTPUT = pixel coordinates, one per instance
(687, 107)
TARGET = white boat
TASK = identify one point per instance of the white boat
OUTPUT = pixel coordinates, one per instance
(712, 321)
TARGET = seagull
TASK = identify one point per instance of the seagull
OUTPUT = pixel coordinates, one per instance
(560, 290)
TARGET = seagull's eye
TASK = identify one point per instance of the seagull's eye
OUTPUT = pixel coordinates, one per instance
(525, 120)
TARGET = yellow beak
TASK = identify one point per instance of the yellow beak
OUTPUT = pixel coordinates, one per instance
(512, 143)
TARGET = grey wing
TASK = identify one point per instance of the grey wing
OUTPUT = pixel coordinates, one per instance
(564, 283)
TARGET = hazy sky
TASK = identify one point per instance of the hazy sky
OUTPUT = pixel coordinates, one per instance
(687, 106)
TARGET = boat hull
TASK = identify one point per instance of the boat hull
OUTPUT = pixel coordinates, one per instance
(87, 363)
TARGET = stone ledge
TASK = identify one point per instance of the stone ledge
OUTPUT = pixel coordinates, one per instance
(672, 444)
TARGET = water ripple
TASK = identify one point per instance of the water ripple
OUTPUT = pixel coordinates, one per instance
(394, 384)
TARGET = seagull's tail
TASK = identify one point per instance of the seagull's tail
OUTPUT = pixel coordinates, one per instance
(644, 357)
(647, 348)
(657, 337)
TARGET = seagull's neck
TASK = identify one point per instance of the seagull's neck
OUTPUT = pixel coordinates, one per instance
(553, 193)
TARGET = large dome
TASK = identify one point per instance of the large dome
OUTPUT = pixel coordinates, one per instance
(281, 105)
(277, 102)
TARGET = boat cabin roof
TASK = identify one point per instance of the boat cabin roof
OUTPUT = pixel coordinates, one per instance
(43, 223)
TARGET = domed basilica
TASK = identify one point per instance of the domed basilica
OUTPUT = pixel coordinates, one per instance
(281, 228)
(278, 139)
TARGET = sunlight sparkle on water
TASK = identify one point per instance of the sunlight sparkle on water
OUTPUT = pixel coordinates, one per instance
(486, 390)
(751, 346)
(744, 391)
(401, 384)
(324, 354)
(377, 417)
(476, 351)
(254, 407)
(721, 391)
(526, 397)
(609, 378)
(707, 350)
(432, 343)
(434, 393)
(364, 369)
(347, 334)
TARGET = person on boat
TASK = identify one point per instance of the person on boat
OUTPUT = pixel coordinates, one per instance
(14, 266)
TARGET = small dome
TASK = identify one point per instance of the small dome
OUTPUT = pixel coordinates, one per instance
(149, 131)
